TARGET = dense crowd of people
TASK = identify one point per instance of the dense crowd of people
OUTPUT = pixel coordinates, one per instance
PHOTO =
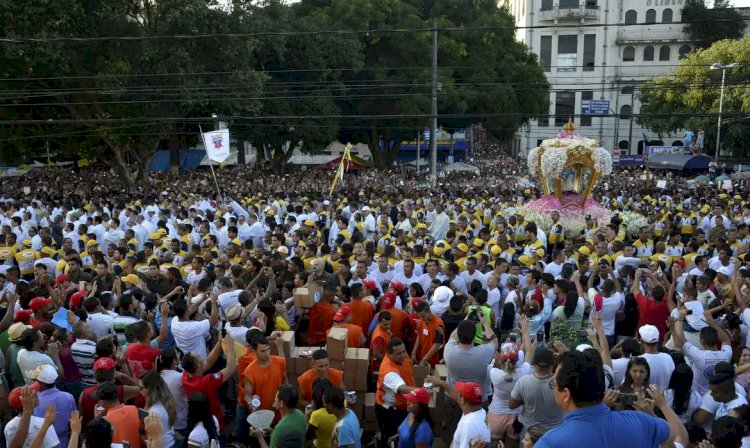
(150, 317)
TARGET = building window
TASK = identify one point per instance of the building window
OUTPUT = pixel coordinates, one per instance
(684, 51)
(546, 5)
(568, 4)
(565, 107)
(664, 53)
(678, 143)
(545, 52)
(586, 96)
(589, 52)
(623, 145)
(666, 16)
(567, 53)
(648, 53)
(631, 17)
(651, 16)
(628, 54)
(626, 111)
(627, 90)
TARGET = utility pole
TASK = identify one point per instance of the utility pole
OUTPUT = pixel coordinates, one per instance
(632, 111)
(418, 145)
(433, 125)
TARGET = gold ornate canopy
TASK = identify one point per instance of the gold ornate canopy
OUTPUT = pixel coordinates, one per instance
(568, 163)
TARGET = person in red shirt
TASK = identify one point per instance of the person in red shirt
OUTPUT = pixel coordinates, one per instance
(104, 371)
(194, 379)
(42, 308)
(355, 336)
(399, 319)
(431, 337)
(652, 309)
(321, 318)
(140, 355)
(320, 369)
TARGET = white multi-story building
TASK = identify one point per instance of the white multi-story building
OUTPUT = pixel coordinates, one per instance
(599, 50)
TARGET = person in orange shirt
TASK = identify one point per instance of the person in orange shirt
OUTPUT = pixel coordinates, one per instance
(320, 369)
(124, 418)
(362, 311)
(399, 318)
(321, 318)
(355, 336)
(430, 337)
(380, 337)
(249, 357)
(395, 378)
(264, 376)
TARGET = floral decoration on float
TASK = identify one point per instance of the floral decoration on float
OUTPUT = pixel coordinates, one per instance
(567, 168)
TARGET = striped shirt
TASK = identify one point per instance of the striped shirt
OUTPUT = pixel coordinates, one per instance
(84, 352)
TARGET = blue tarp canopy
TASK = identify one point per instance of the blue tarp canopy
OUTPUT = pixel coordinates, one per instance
(190, 159)
(679, 162)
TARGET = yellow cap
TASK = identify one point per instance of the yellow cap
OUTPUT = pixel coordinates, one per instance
(463, 247)
(478, 242)
(583, 250)
(91, 242)
(130, 278)
(162, 231)
(496, 250)
(155, 236)
(236, 241)
(283, 250)
(309, 223)
(26, 243)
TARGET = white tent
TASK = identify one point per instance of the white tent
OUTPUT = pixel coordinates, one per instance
(460, 167)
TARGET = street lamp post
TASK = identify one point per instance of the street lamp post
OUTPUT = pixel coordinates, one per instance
(723, 68)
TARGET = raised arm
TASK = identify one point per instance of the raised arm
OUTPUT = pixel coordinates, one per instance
(635, 289)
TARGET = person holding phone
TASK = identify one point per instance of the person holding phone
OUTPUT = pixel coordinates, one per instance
(635, 384)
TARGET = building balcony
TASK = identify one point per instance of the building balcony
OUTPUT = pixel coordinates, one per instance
(673, 34)
(587, 12)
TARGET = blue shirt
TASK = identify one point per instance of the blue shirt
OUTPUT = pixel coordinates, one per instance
(423, 434)
(347, 430)
(169, 341)
(64, 404)
(598, 426)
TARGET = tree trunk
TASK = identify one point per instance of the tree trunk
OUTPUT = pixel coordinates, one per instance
(378, 161)
(121, 168)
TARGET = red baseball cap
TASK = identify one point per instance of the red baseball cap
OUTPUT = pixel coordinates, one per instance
(398, 286)
(471, 392)
(38, 303)
(14, 398)
(418, 395)
(104, 364)
(369, 284)
(22, 315)
(343, 312)
(680, 263)
(62, 278)
(77, 298)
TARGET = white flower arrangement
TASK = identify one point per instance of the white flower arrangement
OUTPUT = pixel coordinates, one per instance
(533, 160)
(602, 161)
(633, 221)
(553, 162)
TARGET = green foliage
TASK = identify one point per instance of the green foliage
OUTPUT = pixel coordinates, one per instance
(688, 98)
(707, 25)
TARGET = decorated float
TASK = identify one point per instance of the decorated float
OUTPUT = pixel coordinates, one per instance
(567, 168)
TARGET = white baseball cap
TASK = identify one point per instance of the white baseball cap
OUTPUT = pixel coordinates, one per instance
(724, 270)
(365, 209)
(46, 374)
(649, 334)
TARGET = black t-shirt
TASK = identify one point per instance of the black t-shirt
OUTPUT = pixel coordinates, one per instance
(451, 321)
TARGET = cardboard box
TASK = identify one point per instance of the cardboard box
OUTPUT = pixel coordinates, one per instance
(287, 339)
(308, 295)
(441, 371)
(357, 361)
(303, 359)
(336, 364)
(419, 373)
(355, 382)
(336, 343)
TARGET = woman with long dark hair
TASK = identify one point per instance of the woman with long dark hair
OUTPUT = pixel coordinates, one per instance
(202, 426)
(416, 429)
(680, 395)
(636, 380)
(166, 364)
(159, 399)
(509, 321)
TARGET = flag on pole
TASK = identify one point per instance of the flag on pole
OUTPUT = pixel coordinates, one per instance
(217, 144)
(346, 161)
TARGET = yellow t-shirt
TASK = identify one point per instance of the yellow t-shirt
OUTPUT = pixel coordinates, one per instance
(281, 324)
(325, 424)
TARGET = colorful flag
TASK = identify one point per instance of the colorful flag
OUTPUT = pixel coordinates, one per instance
(217, 144)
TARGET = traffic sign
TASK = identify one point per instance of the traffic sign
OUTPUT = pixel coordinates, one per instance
(595, 107)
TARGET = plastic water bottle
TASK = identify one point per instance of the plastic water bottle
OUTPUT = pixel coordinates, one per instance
(255, 403)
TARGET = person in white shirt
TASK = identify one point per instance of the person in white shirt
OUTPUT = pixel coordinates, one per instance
(608, 302)
(26, 401)
(661, 365)
(702, 359)
(383, 275)
(100, 322)
(724, 395)
(555, 267)
(432, 269)
(408, 276)
(472, 426)
(190, 335)
(471, 273)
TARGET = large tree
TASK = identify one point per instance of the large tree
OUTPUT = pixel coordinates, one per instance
(707, 25)
(688, 98)
(129, 83)
(486, 76)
